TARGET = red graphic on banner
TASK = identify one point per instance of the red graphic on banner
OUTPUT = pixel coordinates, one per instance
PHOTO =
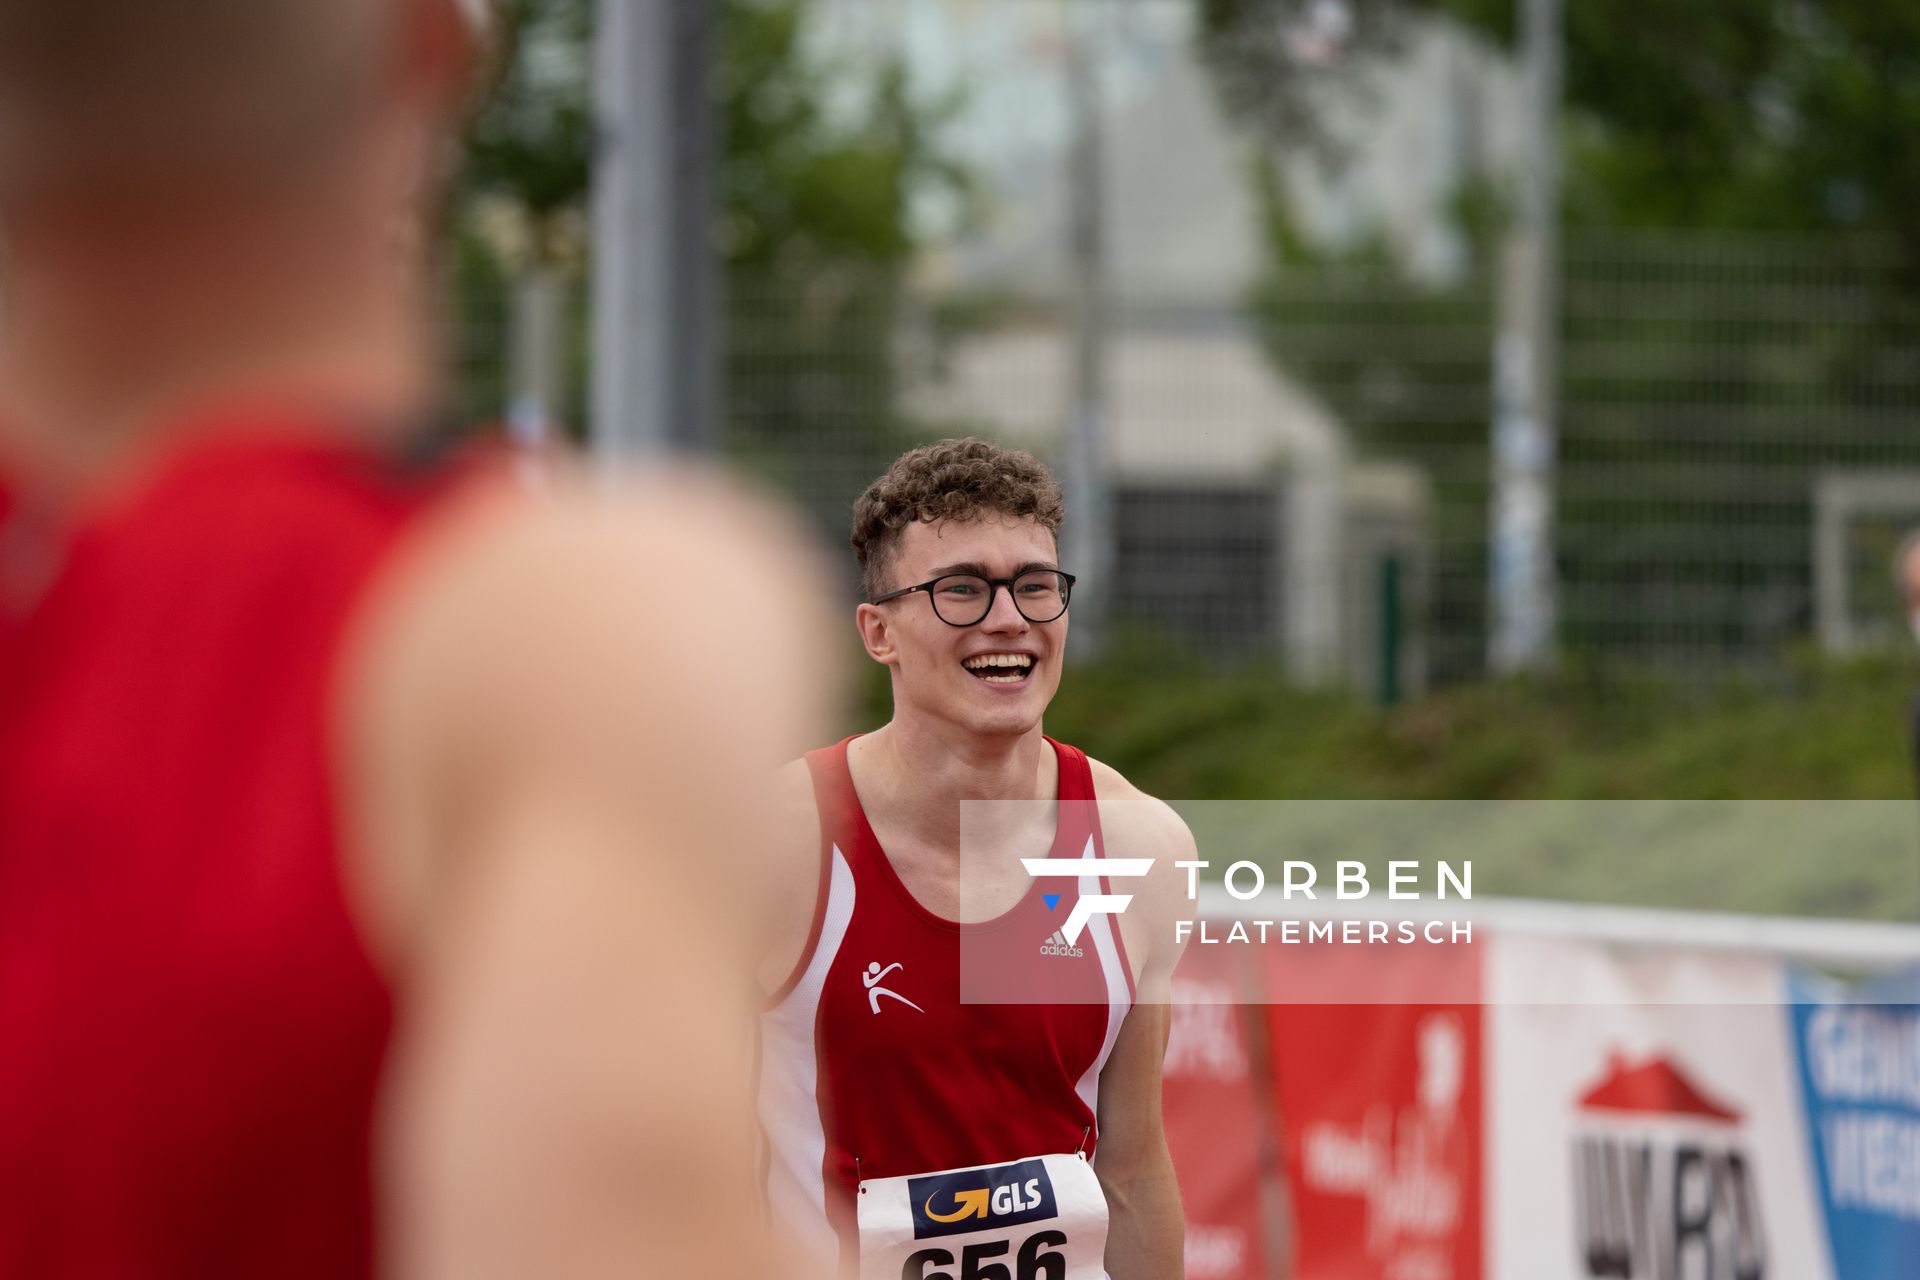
(1655, 1087)
(1214, 1121)
(1663, 1182)
(1380, 1108)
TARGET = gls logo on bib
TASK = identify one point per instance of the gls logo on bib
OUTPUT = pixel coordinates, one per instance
(1001, 1195)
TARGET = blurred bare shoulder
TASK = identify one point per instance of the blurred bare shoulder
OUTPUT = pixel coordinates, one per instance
(563, 713)
(651, 648)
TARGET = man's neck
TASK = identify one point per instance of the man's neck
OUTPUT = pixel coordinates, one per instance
(92, 373)
(922, 771)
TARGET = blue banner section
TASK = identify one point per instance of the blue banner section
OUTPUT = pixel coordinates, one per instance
(1859, 1060)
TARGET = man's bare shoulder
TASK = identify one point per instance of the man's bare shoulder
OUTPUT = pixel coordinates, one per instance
(650, 649)
(1134, 824)
(564, 711)
(655, 593)
(1146, 827)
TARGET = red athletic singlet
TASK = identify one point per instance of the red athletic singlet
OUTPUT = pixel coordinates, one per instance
(872, 1067)
(190, 1029)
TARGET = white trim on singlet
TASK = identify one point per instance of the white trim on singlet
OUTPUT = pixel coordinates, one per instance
(1113, 967)
(789, 1082)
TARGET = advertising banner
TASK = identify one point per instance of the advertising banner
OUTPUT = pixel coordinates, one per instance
(1381, 1122)
(1859, 1073)
(1217, 1124)
(1646, 1120)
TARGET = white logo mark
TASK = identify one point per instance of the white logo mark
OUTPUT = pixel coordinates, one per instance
(1089, 905)
(872, 978)
(1057, 945)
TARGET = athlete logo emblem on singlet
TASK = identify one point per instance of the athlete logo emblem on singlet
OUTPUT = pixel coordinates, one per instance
(873, 977)
(1057, 945)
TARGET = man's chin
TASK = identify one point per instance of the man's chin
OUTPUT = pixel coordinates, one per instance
(1007, 722)
(997, 716)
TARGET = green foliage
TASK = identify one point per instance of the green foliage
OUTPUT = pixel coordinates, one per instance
(1701, 396)
(480, 286)
(1184, 730)
(1405, 366)
(532, 140)
(1740, 113)
(1773, 114)
(1246, 45)
(1706, 115)
(818, 169)
(817, 234)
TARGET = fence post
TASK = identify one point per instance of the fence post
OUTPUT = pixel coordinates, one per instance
(537, 356)
(655, 365)
(1525, 380)
(1089, 532)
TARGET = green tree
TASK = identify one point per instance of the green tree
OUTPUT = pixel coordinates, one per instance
(819, 167)
(817, 235)
(1404, 363)
(1775, 114)
(520, 201)
(531, 141)
(1706, 115)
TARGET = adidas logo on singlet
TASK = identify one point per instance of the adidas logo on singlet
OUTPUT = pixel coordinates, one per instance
(1056, 945)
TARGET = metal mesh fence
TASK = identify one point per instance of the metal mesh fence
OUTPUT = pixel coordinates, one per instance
(1303, 478)
(1708, 384)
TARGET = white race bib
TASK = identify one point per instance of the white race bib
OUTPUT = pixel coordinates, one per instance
(1043, 1218)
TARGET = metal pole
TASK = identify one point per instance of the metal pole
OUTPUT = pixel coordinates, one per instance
(655, 367)
(1088, 553)
(537, 357)
(1526, 373)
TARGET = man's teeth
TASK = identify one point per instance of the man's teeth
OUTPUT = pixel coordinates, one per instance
(1007, 668)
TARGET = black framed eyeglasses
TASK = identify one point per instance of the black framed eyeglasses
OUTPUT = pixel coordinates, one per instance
(965, 599)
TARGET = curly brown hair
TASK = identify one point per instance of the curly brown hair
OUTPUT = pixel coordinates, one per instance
(962, 479)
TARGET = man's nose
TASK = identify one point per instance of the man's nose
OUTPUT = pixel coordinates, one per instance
(1002, 614)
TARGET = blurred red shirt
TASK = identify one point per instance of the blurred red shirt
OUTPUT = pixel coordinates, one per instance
(191, 1030)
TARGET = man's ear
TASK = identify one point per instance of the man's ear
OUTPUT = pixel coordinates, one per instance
(455, 49)
(876, 635)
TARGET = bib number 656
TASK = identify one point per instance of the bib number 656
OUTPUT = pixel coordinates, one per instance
(1036, 1261)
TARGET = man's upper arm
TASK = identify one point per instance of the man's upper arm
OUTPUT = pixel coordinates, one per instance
(561, 720)
(1136, 825)
(1135, 1168)
(656, 656)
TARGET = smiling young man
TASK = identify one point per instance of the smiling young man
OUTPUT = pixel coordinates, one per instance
(1039, 1110)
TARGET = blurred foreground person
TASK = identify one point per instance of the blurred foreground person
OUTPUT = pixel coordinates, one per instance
(366, 833)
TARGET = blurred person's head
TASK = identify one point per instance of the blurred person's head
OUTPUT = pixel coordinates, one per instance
(236, 176)
(1906, 578)
(952, 517)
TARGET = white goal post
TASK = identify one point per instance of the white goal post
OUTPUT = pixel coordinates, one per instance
(1859, 518)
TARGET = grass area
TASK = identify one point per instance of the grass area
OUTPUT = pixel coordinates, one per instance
(1179, 729)
(1836, 732)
